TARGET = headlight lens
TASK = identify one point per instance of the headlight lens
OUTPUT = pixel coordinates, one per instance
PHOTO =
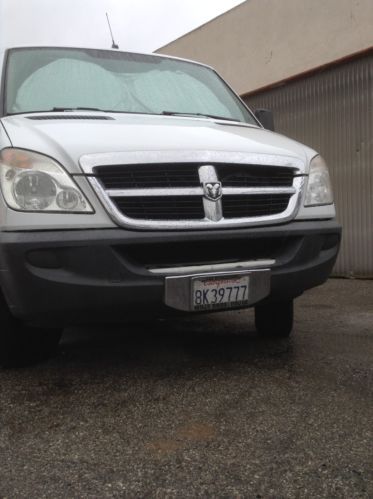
(319, 188)
(33, 182)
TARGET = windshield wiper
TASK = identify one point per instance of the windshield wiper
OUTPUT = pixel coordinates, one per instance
(204, 115)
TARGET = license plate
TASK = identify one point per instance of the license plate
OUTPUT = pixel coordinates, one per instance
(214, 293)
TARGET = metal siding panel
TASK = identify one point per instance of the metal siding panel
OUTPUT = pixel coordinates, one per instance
(332, 111)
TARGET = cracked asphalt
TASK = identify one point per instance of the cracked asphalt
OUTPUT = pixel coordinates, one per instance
(199, 407)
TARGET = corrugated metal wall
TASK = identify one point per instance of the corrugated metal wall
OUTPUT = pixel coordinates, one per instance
(332, 111)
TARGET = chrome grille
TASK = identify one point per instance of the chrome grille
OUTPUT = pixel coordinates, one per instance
(192, 195)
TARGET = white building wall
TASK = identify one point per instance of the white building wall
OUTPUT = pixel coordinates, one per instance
(263, 42)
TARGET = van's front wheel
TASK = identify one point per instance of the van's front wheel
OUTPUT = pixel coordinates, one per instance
(275, 319)
(21, 345)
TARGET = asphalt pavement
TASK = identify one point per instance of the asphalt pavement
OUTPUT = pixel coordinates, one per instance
(199, 407)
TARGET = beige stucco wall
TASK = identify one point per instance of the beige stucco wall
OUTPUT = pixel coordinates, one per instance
(262, 42)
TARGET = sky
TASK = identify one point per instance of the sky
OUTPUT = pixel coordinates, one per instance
(138, 25)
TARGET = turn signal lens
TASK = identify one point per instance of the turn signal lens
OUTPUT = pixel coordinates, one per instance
(16, 158)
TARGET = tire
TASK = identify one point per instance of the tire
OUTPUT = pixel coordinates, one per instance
(21, 345)
(275, 319)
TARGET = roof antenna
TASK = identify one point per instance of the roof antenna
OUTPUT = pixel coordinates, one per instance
(114, 45)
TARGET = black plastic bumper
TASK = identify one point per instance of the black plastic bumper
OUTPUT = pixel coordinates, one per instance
(84, 276)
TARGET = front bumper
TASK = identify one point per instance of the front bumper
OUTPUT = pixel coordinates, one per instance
(84, 276)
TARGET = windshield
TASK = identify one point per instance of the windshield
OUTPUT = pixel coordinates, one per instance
(55, 79)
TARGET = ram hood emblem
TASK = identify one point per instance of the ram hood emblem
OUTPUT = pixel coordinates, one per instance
(212, 190)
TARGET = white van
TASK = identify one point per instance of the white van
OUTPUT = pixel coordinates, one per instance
(135, 185)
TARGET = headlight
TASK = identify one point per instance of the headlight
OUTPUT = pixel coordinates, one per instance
(33, 182)
(319, 189)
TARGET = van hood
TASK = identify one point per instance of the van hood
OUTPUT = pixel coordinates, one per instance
(67, 137)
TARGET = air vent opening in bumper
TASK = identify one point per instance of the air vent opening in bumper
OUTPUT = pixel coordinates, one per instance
(177, 254)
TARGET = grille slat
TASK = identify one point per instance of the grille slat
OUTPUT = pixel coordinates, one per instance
(69, 117)
(166, 208)
(254, 206)
(147, 176)
(255, 176)
(183, 175)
